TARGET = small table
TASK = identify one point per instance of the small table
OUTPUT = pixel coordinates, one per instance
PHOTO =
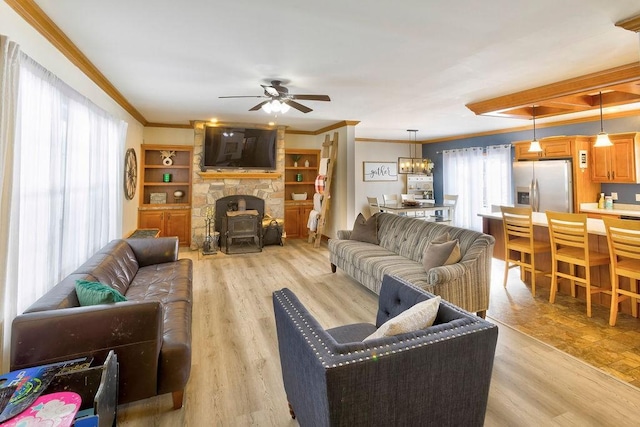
(142, 233)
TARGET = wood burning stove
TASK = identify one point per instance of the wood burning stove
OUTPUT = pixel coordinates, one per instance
(240, 230)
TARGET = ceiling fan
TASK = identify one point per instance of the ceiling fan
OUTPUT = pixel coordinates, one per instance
(278, 96)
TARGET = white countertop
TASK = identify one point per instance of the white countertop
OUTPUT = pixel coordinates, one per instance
(618, 209)
(594, 226)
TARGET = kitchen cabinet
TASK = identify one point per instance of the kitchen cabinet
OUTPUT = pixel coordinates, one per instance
(165, 196)
(170, 222)
(300, 172)
(618, 162)
(556, 147)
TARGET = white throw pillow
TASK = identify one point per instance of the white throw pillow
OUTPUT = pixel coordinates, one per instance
(420, 316)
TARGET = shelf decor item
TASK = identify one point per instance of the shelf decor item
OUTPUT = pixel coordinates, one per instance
(296, 157)
(166, 177)
(167, 157)
(158, 198)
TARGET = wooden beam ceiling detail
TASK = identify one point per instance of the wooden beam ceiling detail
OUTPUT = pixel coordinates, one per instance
(619, 86)
(631, 24)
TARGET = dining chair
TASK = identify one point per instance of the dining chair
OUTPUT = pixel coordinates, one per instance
(623, 237)
(374, 207)
(390, 199)
(450, 200)
(570, 245)
(518, 237)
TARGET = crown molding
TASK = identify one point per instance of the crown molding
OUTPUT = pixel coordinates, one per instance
(36, 17)
(334, 126)
(631, 24)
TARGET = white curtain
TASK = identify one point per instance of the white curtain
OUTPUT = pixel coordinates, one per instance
(463, 175)
(9, 71)
(67, 186)
(498, 175)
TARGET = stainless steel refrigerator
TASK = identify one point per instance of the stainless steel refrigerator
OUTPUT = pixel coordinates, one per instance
(544, 185)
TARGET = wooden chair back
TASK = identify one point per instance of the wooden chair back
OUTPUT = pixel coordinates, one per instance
(623, 238)
(569, 237)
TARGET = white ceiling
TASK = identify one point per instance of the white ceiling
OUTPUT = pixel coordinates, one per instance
(390, 65)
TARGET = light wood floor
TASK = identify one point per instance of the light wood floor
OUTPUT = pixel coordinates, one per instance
(236, 380)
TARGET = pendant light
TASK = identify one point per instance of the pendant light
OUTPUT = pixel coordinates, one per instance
(413, 163)
(603, 139)
(535, 144)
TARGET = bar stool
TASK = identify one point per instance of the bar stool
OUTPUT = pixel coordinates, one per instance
(518, 236)
(570, 244)
(623, 237)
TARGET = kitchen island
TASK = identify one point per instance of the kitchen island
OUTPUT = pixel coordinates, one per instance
(600, 276)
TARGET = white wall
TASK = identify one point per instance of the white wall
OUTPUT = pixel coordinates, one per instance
(168, 136)
(38, 48)
(377, 152)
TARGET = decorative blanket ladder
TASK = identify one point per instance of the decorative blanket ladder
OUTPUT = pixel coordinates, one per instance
(330, 151)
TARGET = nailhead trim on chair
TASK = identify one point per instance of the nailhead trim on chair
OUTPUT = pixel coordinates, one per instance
(386, 349)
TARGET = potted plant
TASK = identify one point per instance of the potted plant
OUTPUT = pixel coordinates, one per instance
(296, 157)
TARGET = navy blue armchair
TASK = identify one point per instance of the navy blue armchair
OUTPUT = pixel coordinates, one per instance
(436, 376)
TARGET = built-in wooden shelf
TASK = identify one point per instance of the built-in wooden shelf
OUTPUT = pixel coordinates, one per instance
(240, 175)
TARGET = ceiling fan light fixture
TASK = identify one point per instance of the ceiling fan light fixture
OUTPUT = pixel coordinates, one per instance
(534, 147)
(275, 106)
(266, 107)
(603, 139)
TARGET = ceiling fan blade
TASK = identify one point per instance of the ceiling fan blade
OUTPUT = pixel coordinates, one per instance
(241, 96)
(297, 106)
(311, 97)
(257, 107)
(270, 90)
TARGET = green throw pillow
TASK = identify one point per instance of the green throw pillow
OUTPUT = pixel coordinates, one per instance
(92, 293)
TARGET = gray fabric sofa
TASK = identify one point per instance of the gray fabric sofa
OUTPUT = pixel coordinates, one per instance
(437, 376)
(402, 243)
(150, 332)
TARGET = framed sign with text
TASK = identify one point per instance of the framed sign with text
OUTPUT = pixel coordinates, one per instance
(380, 171)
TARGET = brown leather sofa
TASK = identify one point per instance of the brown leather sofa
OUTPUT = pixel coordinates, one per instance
(150, 332)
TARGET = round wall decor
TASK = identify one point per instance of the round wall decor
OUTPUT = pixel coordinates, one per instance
(130, 173)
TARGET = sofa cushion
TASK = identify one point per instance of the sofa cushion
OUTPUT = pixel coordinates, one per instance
(166, 282)
(114, 265)
(365, 230)
(93, 293)
(418, 317)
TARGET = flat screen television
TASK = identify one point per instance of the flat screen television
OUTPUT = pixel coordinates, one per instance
(239, 148)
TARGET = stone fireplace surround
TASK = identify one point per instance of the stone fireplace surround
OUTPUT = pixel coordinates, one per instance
(206, 189)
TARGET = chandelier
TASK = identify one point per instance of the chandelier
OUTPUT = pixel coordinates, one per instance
(413, 163)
